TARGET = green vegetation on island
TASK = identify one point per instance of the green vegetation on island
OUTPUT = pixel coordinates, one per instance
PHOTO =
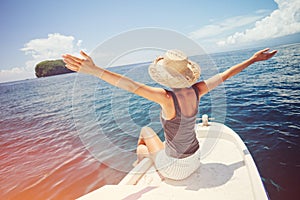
(51, 68)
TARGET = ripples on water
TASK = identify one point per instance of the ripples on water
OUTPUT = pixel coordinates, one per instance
(41, 155)
(55, 130)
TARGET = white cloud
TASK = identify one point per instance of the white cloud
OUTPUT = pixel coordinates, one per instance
(41, 49)
(281, 22)
(50, 48)
(209, 35)
(224, 26)
(16, 73)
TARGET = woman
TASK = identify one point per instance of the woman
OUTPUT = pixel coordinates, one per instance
(178, 157)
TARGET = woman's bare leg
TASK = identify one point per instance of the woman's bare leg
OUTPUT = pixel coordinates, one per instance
(148, 144)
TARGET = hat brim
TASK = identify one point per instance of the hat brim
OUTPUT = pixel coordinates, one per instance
(161, 75)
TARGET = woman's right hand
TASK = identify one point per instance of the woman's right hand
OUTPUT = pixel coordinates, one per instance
(80, 65)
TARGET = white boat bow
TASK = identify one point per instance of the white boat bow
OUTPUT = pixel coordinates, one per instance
(227, 171)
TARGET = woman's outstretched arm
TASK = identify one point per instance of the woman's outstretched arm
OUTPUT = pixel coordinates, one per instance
(258, 56)
(211, 83)
(87, 66)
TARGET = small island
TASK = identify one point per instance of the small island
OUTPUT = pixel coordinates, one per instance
(51, 68)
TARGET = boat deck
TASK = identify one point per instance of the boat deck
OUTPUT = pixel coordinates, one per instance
(225, 173)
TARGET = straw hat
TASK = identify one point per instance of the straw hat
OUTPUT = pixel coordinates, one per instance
(174, 70)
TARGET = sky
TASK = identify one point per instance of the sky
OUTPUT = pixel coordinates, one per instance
(35, 30)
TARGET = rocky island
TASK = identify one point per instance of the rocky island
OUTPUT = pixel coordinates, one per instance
(51, 68)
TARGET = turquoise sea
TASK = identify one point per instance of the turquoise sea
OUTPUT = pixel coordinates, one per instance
(64, 136)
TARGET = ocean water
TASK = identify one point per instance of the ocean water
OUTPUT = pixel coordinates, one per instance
(64, 136)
